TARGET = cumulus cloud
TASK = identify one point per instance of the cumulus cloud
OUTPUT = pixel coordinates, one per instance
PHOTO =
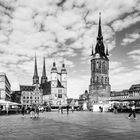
(135, 56)
(58, 29)
(129, 38)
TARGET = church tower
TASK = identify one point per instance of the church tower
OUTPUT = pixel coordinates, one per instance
(99, 88)
(35, 77)
(64, 78)
(54, 76)
(43, 77)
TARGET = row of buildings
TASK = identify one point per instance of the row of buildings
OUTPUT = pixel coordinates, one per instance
(54, 91)
(49, 92)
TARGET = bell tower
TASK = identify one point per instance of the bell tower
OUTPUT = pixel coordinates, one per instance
(99, 88)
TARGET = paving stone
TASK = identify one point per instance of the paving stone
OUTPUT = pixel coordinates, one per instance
(75, 126)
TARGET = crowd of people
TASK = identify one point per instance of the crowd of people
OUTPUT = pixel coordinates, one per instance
(33, 110)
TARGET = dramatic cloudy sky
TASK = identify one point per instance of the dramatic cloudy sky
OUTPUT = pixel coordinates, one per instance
(67, 29)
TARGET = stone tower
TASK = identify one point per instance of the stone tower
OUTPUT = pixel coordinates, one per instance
(35, 77)
(99, 88)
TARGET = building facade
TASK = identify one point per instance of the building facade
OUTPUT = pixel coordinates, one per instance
(133, 93)
(31, 94)
(16, 96)
(53, 92)
(118, 95)
(57, 87)
(99, 88)
(5, 87)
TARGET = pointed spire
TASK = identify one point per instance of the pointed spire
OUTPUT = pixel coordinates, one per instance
(43, 77)
(100, 37)
(107, 54)
(44, 69)
(35, 77)
(35, 68)
(92, 50)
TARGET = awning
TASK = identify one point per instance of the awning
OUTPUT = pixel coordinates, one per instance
(126, 99)
(4, 102)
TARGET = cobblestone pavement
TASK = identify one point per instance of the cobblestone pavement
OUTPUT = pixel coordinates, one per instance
(75, 126)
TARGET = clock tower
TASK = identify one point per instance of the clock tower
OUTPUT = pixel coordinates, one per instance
(99, 88)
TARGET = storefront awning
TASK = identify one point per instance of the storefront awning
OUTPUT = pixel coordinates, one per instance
(4, 102)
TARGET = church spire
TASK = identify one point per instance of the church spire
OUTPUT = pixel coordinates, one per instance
(44, 78)
(107, 54)
(100, 49)
(44, 69)
(92, 51)
(35, 77)
(100, 37)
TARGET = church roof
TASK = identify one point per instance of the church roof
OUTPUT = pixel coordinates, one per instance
(46, 87)
(59, 85)
(27, 88)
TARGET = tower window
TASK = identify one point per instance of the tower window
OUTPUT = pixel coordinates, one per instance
(59, 95)
(59, 90)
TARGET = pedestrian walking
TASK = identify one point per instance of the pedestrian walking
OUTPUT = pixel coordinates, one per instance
(32, 113)
(23, 111)
(132, 110)
(37, 112)
(61, 110)
(72, 109)
(115, 108)
(67, 107)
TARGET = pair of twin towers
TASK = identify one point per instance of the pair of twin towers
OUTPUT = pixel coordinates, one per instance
(44, 78)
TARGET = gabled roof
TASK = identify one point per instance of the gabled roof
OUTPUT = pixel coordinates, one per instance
(135, 87)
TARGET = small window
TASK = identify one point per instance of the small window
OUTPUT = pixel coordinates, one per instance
(30, 97)
(23, 97)
(59, 90)
(59, 95)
